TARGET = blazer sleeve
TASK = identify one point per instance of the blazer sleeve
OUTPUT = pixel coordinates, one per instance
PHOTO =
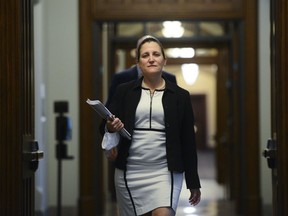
(189, 146)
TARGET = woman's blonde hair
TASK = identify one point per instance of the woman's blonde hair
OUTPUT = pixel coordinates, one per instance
(144, 39)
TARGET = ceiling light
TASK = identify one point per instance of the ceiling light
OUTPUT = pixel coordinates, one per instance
(190, 73)
(185, 52)
(172, 29)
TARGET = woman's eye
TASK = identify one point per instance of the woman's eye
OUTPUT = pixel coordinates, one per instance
(145, 56)
(156, 54)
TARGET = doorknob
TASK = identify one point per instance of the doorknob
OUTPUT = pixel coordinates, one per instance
(270, 153)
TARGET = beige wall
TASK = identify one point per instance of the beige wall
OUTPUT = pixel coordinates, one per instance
(205, 84)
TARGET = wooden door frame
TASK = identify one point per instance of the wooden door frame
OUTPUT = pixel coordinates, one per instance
(279, 88)
(201, 110)
(10, 198)
(248, 194)
(17, 108)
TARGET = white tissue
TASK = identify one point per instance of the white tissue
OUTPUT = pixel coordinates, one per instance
(110, 140)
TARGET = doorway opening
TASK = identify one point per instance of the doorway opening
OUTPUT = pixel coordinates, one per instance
(199, 55)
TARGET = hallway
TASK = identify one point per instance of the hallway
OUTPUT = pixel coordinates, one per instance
(213, 201)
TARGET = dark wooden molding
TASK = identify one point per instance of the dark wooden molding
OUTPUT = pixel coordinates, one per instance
(280, 93)
(251, 200)
(174, 9)
(244, 171)
(87, 199)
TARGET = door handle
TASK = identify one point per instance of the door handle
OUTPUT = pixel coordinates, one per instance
(270, 153)
(33, 155)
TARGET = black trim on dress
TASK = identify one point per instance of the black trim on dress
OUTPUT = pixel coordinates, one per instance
(131, 198)
(172, 189)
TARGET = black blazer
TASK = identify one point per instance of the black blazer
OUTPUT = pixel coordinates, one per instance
(127, 76)
(179, 127)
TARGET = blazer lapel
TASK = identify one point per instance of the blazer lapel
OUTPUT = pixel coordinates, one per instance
(133, 96)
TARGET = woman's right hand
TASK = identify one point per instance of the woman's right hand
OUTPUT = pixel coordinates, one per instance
(114, 124)
(111, 154)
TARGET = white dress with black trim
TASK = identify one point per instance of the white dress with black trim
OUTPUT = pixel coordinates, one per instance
(147, 184)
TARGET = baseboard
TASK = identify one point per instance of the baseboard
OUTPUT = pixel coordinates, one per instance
(39, 213)
(267, 210)
(65, 210)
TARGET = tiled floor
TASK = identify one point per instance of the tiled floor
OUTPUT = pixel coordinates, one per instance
(213, 202)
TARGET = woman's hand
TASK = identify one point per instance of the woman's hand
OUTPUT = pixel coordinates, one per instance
(195, 196)
(114, 124)
(111, 154)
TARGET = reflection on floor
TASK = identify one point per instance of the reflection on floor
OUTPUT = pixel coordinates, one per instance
(213, 202)
(213, 199)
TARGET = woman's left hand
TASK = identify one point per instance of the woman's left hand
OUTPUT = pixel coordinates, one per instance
(111, 154)
(195, 196)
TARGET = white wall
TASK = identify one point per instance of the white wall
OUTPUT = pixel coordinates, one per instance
(61, 68)
(62, 84)
(265, 96)
(40, 111)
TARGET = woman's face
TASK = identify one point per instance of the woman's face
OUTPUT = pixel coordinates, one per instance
(151, 59)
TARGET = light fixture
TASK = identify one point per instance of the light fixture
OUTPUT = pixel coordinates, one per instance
(185, 52)
(172, 29)
(190, 73)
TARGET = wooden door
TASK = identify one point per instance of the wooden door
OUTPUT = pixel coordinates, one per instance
(276, 152)
(18, 151)
(200, 114)
(223, 115)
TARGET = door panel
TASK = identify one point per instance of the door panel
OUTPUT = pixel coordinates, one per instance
(223, 109)
(17, 109)
(274, 116)
(200, 114)
(279, 106)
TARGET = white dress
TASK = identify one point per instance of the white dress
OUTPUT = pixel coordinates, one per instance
(147, 184)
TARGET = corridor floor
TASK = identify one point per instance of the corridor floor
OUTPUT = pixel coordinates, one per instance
(213, 202)
(213, 199)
